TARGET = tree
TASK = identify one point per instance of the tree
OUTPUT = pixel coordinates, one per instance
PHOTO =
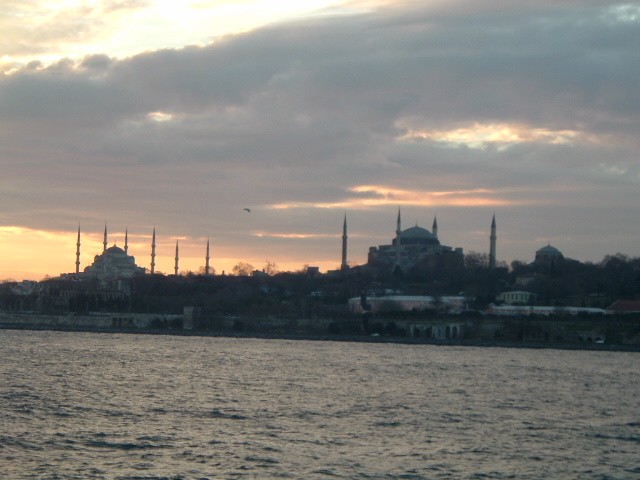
(201, 270)
(270, 268)
(520, 266)
(242, 269)
(476, 260)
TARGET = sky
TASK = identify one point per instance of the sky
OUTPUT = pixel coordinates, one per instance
(141, 113)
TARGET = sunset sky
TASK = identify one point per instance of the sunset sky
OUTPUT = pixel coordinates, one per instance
(143, 113)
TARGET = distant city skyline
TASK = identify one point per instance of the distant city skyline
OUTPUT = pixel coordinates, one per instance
(194, 259)
(303, 111)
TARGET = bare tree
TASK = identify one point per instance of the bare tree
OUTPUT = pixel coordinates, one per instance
(242, 269)
(270, 268)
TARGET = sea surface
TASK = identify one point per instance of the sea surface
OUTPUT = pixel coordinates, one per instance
(118, 406)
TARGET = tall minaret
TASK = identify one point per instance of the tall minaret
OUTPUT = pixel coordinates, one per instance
(344, 265)
(434, 228)
(175, 268)
(492, 244)
(104, 242)
(397, 239)
(153, 252)
(206, 265)
(126, 241)
(78, 251)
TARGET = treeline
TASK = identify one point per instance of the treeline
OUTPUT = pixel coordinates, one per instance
(563, 283)
(306, 294)
(281, 295)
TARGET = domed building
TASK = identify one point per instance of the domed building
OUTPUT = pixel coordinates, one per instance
(113, 263)
(548, 256)
(413, 249)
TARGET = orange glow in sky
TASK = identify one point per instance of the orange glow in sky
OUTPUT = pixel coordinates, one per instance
(264, 122)
(29, 254)
(388, 196)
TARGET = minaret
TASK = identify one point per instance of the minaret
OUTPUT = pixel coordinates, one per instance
(344, 265)
(177, 259)
(397, 240)
(434, 228)
(153, 252)
(126, 241)
(492, 244)
(104, 242)
(78, 251)
(206, 265)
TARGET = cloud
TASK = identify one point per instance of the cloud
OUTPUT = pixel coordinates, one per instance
(334, 112)
(503, 135)
(368, 196)
(47, 28)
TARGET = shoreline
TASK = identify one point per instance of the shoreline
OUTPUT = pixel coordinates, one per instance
(333, 338)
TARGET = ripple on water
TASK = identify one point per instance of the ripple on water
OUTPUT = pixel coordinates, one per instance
(127, 407)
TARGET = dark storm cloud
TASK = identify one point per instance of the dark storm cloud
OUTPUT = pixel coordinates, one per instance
(299, 113)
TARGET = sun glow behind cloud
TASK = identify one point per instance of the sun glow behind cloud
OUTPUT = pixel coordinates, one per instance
(293, 236)
(502, 135)
(48, 31)
(159, 117)
(379, 195)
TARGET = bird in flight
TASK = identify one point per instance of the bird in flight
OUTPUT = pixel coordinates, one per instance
(247, 210)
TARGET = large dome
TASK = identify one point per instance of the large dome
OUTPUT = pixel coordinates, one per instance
(113, 263)
(115, 250)
(417, 232)
(549, 250)
(417, 236)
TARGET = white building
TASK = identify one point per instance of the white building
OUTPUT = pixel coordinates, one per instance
(407, 303)
(516, 297)
(522, 310)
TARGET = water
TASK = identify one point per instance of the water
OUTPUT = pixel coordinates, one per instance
(79, 405)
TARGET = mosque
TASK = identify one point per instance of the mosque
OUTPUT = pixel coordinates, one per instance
(548, 256)
(413, 250)
(417, 249)
(116, 263)
(113, 263)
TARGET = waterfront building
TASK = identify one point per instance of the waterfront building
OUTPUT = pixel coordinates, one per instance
(408, 303)
(516, 297)
(526, 310)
